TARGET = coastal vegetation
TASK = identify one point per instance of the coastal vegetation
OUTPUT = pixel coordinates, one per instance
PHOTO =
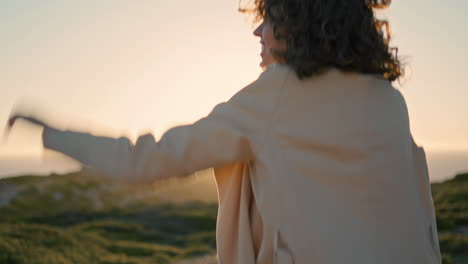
(451, 207)
(79, 218)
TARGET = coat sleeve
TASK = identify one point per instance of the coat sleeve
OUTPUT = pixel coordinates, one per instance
(232, 132)
(221, 137)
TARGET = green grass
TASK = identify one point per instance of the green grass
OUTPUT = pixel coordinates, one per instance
(451, 206)
(77, 218)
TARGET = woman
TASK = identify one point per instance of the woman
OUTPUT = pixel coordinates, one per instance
(314, 161)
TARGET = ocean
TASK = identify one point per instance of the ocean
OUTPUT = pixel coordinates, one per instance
(442, 165)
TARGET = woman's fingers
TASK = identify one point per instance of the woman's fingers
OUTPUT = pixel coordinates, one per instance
(30, 119)
(34, 121)
(11, 121)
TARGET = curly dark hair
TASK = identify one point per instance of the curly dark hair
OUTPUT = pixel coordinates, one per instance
(320, 34)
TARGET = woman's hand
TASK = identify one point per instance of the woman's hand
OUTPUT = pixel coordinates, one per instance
(13, 118)
(33, 120)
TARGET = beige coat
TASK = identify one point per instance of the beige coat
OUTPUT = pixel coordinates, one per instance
(323, 170)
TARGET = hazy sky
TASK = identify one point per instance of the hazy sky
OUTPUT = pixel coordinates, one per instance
(129, 67)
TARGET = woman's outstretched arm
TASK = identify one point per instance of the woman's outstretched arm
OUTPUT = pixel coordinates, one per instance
(219, 138)
(231, 132)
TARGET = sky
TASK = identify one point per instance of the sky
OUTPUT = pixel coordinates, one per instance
(114, 67)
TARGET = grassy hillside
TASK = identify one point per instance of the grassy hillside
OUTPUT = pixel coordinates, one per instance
(451, 205)
(77, 218)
